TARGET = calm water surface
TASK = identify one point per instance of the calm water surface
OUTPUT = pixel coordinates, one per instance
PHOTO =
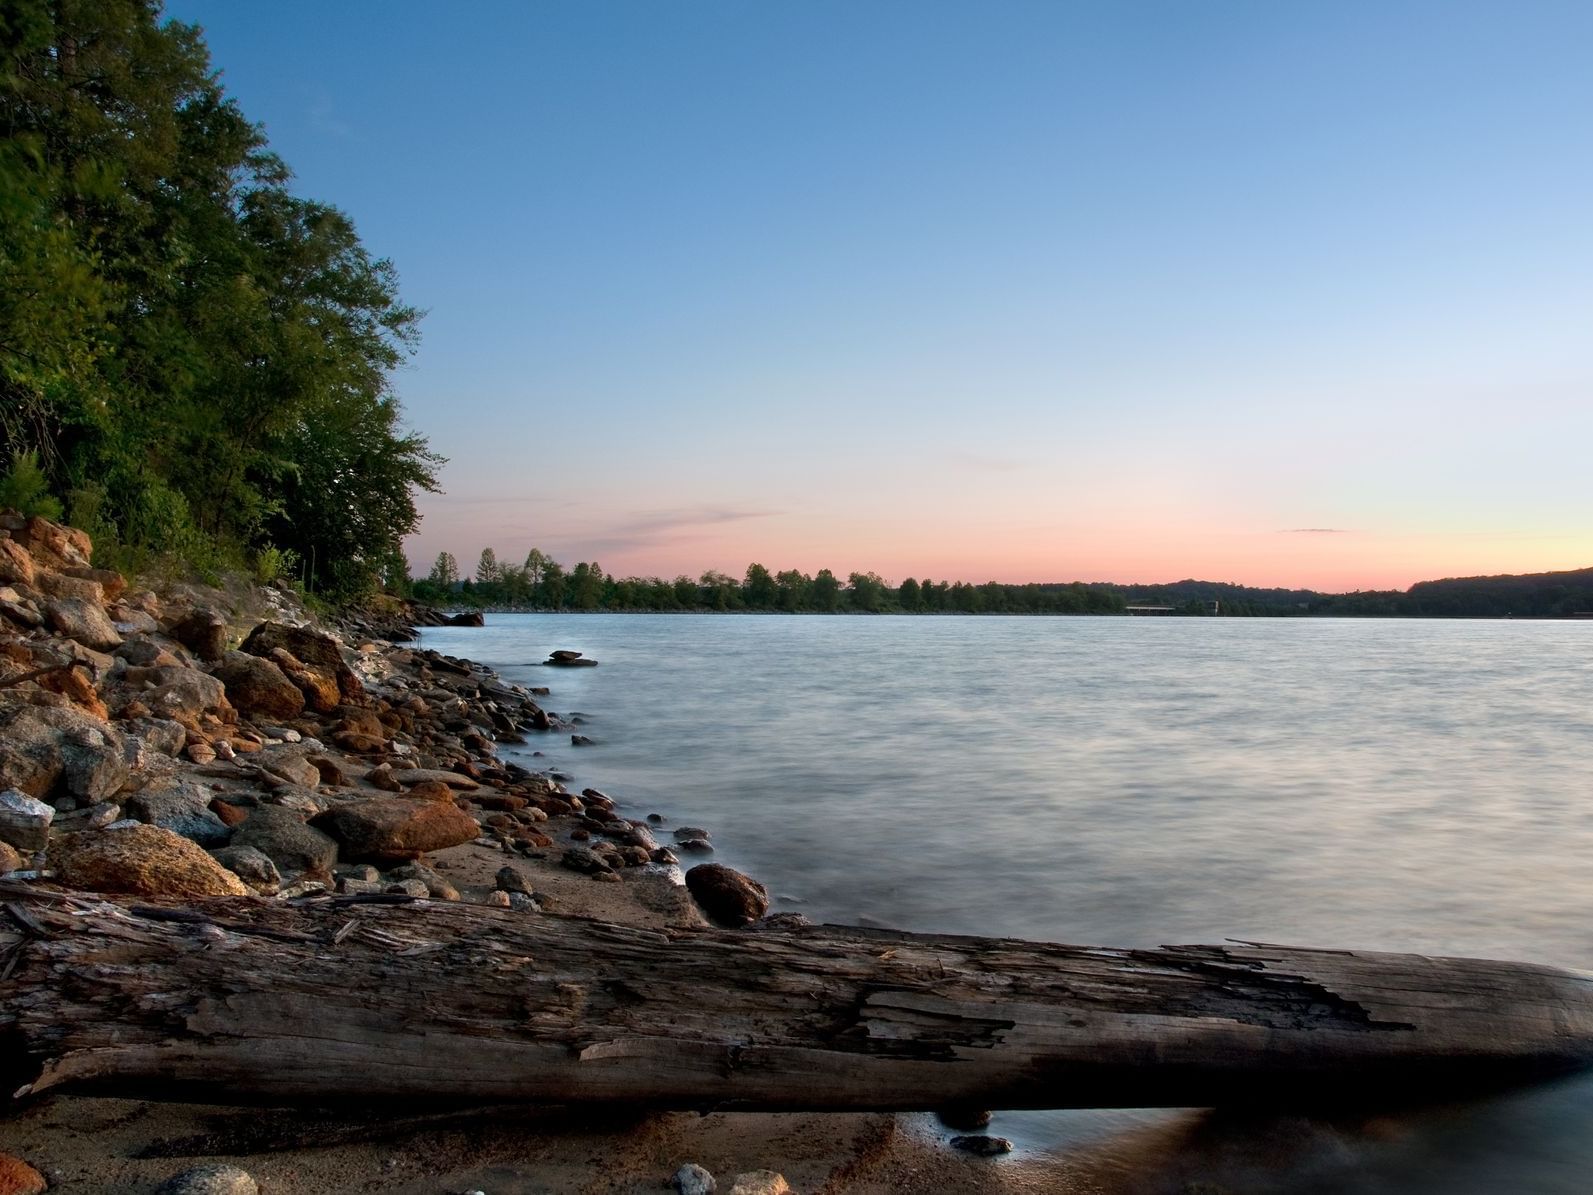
(1420, 786)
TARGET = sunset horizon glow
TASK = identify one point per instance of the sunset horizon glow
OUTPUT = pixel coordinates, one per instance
(1283, 295)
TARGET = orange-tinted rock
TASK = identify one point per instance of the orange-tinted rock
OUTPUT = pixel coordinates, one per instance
(18, 1178)
(393, 828)
(141, 861)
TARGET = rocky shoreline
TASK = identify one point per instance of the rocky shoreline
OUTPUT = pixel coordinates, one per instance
(186, 742)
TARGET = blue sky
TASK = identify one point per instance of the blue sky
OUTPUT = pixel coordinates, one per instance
(1023, 291)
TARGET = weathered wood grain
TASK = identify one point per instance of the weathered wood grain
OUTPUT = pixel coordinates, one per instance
(242, 1000)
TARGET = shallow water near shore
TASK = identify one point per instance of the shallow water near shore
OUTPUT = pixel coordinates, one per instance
(1395, 785)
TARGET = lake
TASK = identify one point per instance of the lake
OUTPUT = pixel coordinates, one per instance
(1394, 785)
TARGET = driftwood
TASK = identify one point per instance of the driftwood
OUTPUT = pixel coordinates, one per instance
(254, 1001)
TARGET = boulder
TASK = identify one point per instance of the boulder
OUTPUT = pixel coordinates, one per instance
(258, 687)
(203, 632)
(24, 821)
(10, 860)
(141, 861)
(727, 896)
(251, 865)
(159, 734)
(289, 763)
(172, 691)
(311, 647)
(60, 585)
(181, 807)
(72, 684)
(82, 620)
(112, 584)
(395, 828)
(16, 565)
(53, 546)
(45, 750)
(282, 836)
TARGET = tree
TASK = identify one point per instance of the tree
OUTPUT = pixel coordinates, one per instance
(866, 591)
(165, 299)
(907, 595)
(487, 572)
(444, 571)
(826, 591)
(553, 585)
(757, 590)
(794, 590)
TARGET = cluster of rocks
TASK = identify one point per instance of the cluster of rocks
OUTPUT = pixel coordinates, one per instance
(172, 745)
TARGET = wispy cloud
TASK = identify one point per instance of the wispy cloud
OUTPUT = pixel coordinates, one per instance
(1316, 531)
(652, 529)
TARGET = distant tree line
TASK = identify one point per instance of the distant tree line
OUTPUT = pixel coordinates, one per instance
(542, 583)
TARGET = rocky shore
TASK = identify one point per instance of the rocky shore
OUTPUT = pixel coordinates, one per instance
(181, 742)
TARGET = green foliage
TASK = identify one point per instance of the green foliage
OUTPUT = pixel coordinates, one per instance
(177, 328)
(25, 488)
(275, 564)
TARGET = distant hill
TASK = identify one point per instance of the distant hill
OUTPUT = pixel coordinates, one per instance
(1526, 595)
(1529, 595)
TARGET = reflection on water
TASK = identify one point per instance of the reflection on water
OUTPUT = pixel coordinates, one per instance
(1395, 785)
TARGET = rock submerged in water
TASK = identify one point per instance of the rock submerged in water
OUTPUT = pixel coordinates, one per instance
(727, 896)
(982, 1145)
(568, 659)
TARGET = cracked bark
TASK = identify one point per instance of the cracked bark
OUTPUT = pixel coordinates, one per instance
(252, 1001)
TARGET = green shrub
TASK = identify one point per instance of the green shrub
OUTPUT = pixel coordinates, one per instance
(25, 488)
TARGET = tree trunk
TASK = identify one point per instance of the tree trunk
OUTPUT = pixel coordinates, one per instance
(254, 1001)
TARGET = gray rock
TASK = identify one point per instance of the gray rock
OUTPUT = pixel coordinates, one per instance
(290, 764)
(160, 734)
(511, 879)
(436, 886)
(251, 866)
(282, 836)
(175, 692)
(24, 820)
(83, 620)
(624, 832)
(358, 871)
(204, 632)
(182, 808)
(523, 903)
(45, 750)
(297, 798)
(415, 888)
(210, 1180)
(692, 1179)
(356, 887)
(983, 1145)
(684, 832)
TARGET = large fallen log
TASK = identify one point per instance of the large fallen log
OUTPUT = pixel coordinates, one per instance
(248, 1001)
